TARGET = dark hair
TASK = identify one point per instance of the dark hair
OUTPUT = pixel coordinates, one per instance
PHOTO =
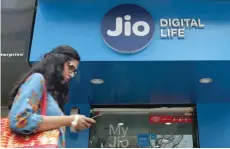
(51, 67)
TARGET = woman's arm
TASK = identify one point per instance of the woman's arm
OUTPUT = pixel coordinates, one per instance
(23, 115)
(52, 122)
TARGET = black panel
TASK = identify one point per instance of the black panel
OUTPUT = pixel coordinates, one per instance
(17, 18)
(17, 26)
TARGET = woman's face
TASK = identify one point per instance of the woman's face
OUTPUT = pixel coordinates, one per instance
(70, 69)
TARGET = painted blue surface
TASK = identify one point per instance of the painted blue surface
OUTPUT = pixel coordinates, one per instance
(214, 122)
(79, 139)
(166, 72)
(78, 22)
(162, 83)
(167, 79)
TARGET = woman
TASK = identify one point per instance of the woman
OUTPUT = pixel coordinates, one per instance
(55, 70)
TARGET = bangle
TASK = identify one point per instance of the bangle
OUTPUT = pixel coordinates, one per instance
(74, 124)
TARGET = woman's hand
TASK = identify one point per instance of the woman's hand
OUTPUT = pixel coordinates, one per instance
(84, 122)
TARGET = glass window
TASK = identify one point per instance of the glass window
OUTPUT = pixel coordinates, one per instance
(143, 128)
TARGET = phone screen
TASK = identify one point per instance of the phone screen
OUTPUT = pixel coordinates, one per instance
(96, 116)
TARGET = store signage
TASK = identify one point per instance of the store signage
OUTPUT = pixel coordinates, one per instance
(119, 134)
(127, 28)
(170, 119)
(143, 140)
(171, 28)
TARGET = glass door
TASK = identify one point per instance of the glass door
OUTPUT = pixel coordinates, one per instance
(142, 128)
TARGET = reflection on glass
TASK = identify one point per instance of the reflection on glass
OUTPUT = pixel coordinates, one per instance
(173, 141)
(136, 131)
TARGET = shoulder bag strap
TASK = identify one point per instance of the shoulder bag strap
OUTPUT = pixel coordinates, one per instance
(44, 101)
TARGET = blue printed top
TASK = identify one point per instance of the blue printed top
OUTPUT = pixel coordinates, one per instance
(25, 115)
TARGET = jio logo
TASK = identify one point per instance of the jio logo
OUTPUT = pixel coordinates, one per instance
(127, 28)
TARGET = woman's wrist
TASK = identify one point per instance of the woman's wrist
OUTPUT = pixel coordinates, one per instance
(70, 120)
(74, 123)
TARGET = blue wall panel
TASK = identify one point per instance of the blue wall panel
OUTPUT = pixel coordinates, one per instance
(214, 125)
(79, 139)
(77, 23)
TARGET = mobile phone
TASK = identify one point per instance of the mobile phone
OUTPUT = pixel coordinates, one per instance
(96, 116)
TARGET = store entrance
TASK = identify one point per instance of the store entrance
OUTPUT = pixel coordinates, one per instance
(164, 127)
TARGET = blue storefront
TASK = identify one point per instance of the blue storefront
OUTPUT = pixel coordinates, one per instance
(146, 52)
